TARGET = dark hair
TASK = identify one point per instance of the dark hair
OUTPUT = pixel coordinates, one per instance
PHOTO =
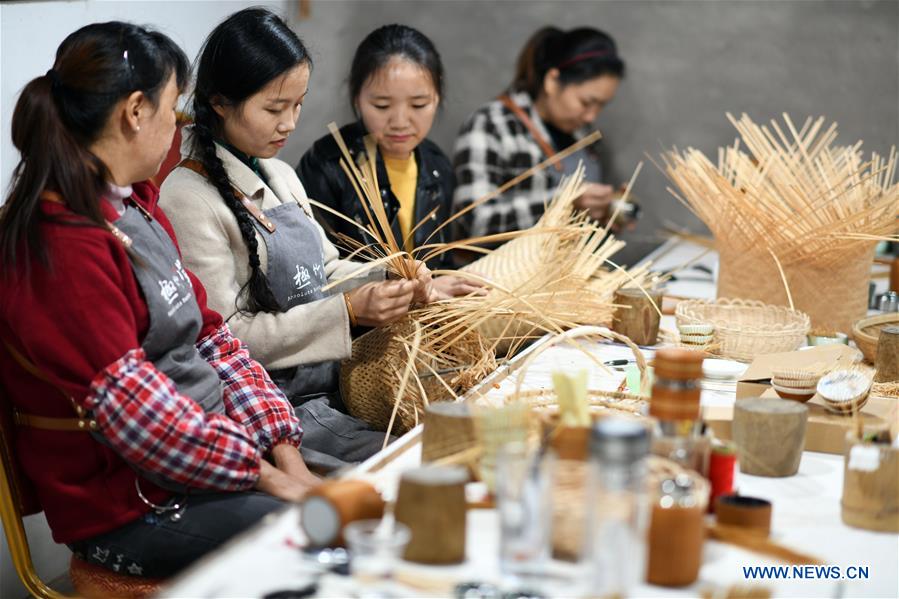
(384, 43)
(579, 54)
(241, 56)
(59, 114)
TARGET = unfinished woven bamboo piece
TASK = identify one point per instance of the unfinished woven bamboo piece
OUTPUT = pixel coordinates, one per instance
(866, 333)
(795, 215)
(561, 269)
(436, 352)
(745, 329)
(369, 378)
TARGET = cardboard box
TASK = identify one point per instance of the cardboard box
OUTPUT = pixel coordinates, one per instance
(825, 432)
(757, 378)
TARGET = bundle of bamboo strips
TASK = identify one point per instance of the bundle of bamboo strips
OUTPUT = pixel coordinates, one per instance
(795, 217)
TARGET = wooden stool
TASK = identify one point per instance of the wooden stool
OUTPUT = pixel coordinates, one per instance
(94, 582)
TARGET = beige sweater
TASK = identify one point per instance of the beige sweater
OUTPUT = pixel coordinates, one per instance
(214, 250)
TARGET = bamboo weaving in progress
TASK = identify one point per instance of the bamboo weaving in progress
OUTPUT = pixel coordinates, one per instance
(795, 215)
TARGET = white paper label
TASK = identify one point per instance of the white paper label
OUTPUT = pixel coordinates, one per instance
(865, 458)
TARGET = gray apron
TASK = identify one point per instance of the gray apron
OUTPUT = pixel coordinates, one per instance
(175, 319)
(296, 274)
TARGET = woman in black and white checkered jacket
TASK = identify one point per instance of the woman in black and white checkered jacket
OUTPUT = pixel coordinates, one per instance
(563, 80)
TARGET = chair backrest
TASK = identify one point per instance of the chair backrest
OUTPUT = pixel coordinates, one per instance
(23, 492)
(17, 499)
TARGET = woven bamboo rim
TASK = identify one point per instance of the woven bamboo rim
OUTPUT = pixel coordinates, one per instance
(865, 332)
(580, 333)
(745, 329)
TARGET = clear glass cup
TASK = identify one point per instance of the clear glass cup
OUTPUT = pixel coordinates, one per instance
(374, 546)
(523, 503)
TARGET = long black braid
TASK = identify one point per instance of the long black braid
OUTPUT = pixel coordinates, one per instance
(242, 55)
(256, 293)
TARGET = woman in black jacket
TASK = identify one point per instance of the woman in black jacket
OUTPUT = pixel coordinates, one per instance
(396, 82)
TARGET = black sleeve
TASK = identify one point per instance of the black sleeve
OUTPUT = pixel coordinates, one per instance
(317, 178)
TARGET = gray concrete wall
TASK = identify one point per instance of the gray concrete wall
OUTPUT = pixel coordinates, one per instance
(689, 63)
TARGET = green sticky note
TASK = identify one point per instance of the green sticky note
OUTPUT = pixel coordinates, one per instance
(633, 379)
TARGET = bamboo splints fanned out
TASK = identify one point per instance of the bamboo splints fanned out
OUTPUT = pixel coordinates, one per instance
(795, 216)
(801, 195)
(545, 279)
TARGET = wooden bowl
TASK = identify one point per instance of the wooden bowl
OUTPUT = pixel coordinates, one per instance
(866, 331)
(800, 394)
(844, 391)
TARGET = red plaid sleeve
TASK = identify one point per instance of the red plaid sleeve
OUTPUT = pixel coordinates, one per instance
(152, 426)
(250, 396)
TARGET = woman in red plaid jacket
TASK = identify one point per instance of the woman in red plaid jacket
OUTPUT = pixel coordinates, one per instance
(149, 434)
(563, 81)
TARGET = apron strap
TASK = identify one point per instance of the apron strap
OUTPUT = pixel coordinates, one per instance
(52, 196)
(48, 423)
(197, 167)
(519, 112)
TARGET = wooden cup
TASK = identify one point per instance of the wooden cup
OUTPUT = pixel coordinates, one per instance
(676, 536)
(887, 361)
(431, 502)
(871, 486)
(770, 435)
(329, 507)
(449, 429)
(749, 513)
(636, 317)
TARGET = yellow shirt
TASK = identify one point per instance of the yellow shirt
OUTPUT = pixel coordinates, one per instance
(403, 177)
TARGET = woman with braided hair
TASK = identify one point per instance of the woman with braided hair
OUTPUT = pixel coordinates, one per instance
(246, 228)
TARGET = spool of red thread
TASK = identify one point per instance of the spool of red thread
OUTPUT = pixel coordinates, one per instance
(722, 465)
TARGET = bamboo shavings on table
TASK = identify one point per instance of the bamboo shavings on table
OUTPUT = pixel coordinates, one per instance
(791, 209)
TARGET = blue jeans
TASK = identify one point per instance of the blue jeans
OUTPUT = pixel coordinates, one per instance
(159, 545)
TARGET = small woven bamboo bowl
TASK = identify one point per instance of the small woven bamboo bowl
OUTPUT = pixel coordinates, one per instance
(745, 329)
(866, 331)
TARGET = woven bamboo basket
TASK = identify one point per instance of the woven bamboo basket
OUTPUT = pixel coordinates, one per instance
(370, 378)
(834, 295)
(866, 332)
(745, 329)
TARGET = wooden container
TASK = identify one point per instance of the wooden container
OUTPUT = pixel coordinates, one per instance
(328, 508)
(637, 316)
(887, 361)
(676, 536)
(449, 429)
(770, 435)
(866, 332)
(431, 502)
(894, 275)
(870, 486)
(749, 513)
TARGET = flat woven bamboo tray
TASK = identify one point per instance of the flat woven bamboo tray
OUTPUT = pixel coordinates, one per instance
(866, 332)
(745, 329)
